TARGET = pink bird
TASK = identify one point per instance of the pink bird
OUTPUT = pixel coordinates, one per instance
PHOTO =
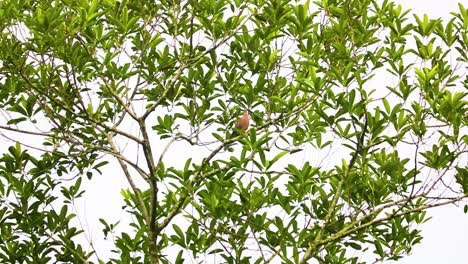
(242, 124)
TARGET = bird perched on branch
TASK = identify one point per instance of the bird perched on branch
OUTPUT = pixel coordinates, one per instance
(242, 124)
(240, 127)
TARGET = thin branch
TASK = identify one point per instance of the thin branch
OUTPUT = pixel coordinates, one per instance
(171, 86)
(192, 61)
(349, 230)
(70, 111)
(127, 174)
(152, 171)
(122, 103)
(26, 131)
(313, 246)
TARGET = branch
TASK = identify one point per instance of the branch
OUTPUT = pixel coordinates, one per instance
(193, 61)
(70, 111)
(348, 230)
(122, 103)
(313, 246)
(152, 170)
(26, 131)
(124, 167)
(163, 96)
(198, 176)
(195, 180)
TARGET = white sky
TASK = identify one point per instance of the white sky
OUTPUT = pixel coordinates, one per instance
(445, 235)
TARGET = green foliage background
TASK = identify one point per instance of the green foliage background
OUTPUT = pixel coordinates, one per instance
(358, 127)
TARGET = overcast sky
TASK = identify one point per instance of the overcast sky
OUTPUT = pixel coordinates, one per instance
(446, 234)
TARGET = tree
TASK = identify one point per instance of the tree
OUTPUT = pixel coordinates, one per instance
(358, 127)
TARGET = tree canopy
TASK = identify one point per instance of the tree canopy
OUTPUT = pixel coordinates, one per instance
(358, 121)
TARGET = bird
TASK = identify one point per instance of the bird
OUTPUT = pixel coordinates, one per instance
(242, 124)
(240, 127)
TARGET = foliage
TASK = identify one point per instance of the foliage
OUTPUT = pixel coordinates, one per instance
(358, 127)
